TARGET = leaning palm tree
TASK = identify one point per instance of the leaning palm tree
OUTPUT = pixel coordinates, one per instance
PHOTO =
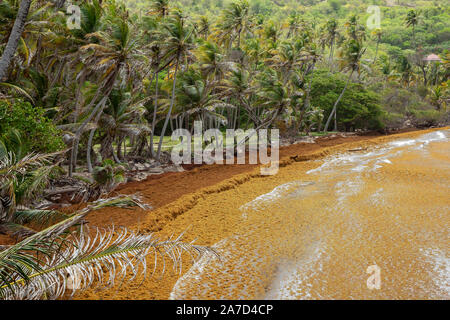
(116, 54)
(274, 95)
(212, 62)
(14, 37)
(178, 44)
(351, 58)
(122, 117)
(197, 99)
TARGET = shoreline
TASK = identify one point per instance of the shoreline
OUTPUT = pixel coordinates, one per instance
(209, 213)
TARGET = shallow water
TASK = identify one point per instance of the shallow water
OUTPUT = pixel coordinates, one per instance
(315, 237)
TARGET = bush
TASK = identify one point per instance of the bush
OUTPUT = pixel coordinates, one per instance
(37, 132)
(426, 118)
(359, 107)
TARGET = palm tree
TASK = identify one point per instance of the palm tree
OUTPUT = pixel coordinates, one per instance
(120, 118)
(287, 57)
(21, 181)
(352, 53)
(178, 44)
(234, 22)
(332, 33)
(405, 70)
(378, 34)
(274, 95)
(198, 100)
(117, 53)
(237, 86)
(412, 20)
(203, 27)
(212, 62)
(294, 24)
(160, 7)
(355, 30)
(14, 37)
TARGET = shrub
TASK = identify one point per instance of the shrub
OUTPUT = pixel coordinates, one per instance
(426, 118)
(37, 132)
(359, 107)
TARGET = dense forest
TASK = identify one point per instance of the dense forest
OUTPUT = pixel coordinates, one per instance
(92, 84)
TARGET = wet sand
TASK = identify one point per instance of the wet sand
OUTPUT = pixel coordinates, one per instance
(300, 247)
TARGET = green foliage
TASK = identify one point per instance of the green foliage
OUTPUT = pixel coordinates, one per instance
(108, 173)
(359, 108)
(37, 132)
(426, 118)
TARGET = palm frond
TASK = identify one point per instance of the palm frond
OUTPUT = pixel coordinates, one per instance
(38, 217)
(20, 261)
(82, 262)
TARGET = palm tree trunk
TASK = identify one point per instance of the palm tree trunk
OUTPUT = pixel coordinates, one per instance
(88, 151)
(333, 112)
(172, 100)
(376, 52)
(307, 101)
(73, 156)
(119, 148)
(330, 59)
(98, 108)
(155, 108)
(14, 37)
(89, 145)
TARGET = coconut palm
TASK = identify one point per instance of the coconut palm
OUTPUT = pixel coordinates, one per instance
(331, 35)
(159, 7)
(178, 44)
(355, 30)
(412, 20)
(122, 117)
(197, 99)
(14, 37)
(235, 19)
(203, 27)
(287, 57)
(378, 33)
(351, 58)
(212, 62)
(22, 180)
(238, 86)
(117, 53)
